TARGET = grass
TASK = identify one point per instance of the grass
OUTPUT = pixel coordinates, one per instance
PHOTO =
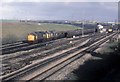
(14, 31)
(110, 46)
(103, 69)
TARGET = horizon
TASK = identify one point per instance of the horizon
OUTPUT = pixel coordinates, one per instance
(55, 20)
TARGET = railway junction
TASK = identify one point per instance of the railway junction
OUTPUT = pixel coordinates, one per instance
(43, 61)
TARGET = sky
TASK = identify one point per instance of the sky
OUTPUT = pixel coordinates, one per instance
(60, 9)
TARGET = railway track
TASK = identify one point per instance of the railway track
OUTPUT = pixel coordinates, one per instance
(50, 63)
(10, 44)
(26, 58)
(29, 56)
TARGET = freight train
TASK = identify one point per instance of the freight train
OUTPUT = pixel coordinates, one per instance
(52, 35)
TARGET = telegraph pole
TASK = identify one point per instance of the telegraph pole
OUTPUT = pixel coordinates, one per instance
(83, 29)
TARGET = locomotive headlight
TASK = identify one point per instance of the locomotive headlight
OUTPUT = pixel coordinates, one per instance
(110, 30)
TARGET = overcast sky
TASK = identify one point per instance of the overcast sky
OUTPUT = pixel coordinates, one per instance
(64, 10)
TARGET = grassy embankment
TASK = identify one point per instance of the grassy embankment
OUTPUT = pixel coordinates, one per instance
(14, 30)
(107, 67)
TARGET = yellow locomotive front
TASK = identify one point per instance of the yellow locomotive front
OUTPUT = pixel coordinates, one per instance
(31, 37)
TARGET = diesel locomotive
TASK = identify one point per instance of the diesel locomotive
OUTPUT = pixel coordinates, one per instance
(51, 35)
(109, 30)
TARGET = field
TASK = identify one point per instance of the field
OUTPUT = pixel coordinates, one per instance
(14, 30)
